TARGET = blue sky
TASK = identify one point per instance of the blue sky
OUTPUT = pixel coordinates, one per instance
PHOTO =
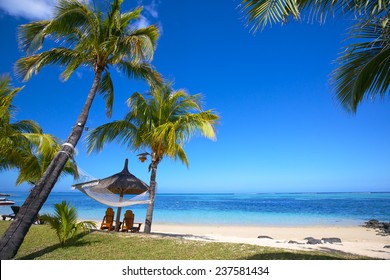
(281, 129)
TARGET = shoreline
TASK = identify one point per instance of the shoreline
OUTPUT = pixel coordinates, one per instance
(357, 240)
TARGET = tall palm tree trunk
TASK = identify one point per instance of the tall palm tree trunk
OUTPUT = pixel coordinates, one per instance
(152, 195)
(13, 238)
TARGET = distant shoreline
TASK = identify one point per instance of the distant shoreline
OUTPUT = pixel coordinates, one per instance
(221, 193)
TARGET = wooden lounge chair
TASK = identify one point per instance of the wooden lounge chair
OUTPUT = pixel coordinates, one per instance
(15, 210)
(129, 224)
(108, 220)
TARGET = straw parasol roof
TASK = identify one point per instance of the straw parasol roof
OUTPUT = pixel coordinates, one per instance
(123, 183)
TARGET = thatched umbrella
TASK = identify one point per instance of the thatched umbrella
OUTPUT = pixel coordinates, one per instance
(121, 183)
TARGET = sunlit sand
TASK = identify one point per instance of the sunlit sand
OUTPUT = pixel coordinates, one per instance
(354, 239)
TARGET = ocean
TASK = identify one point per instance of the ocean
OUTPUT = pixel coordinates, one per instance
(268, 209)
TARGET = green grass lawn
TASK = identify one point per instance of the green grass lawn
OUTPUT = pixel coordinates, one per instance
(41, 243)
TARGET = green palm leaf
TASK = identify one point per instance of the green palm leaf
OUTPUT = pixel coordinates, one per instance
(120, 130)
(106, 89)
(261, 13)
(267, 12)
(364, 66)
(140, 71)
(23, 145)
(65, 222)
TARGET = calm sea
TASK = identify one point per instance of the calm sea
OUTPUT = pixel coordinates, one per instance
(251, 209)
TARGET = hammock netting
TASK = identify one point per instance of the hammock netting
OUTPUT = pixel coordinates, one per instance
(94, 189)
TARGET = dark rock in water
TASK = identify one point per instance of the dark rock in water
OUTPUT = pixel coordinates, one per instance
(293, 242)
(308, 238)
(384, 228)
(264, 236)
(314, 241)
(331, 240)
(372, 223)
(387, 247)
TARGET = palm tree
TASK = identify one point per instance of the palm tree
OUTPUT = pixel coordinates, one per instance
(162, 124)
(90, 38)
(65, 223)
(23, 145)
(363, 66)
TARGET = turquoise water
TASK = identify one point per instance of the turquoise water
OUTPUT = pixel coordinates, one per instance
(250, 209)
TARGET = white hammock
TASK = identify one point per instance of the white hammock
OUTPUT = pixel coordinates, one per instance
(90, 186)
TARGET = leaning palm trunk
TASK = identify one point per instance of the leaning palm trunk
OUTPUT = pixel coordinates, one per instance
(152, 195)
(13, 238)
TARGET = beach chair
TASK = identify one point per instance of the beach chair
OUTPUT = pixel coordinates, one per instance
(128, 223)
(108, 220)
(15, 210)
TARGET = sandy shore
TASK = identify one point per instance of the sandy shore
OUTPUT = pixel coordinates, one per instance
(354, 239)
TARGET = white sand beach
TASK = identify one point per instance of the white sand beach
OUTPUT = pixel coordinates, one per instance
(354, 239)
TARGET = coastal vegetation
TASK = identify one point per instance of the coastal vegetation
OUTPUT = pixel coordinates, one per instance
(65, 222)
(81, 37)
(41, 243)
(363, 67)
(23, 145)
(161, 124)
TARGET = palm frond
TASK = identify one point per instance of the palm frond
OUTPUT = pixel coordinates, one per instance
(364, 66)
(64, 222)
(106, 89)
(260, 13)
(22, 144)
(267, 12)
(7, 95)
(26, 126)
(138, 106)
(72, 65)
(151, 32)
(29, 65)
(71, 15)
(45, 144)
(31, 36)
(127, 17)
(138, 49)
(117, 130)
(141, 71)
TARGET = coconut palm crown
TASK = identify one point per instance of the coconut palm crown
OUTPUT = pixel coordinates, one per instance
(162, 124)
(23, 145)
(83, 37)
(363, 67)
(90, 39)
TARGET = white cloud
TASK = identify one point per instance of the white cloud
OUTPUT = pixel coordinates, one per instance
(152, 9)
(150, 14)
(29, 9)
(142, 22)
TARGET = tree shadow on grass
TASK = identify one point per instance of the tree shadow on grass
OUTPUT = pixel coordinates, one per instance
(74, 242)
